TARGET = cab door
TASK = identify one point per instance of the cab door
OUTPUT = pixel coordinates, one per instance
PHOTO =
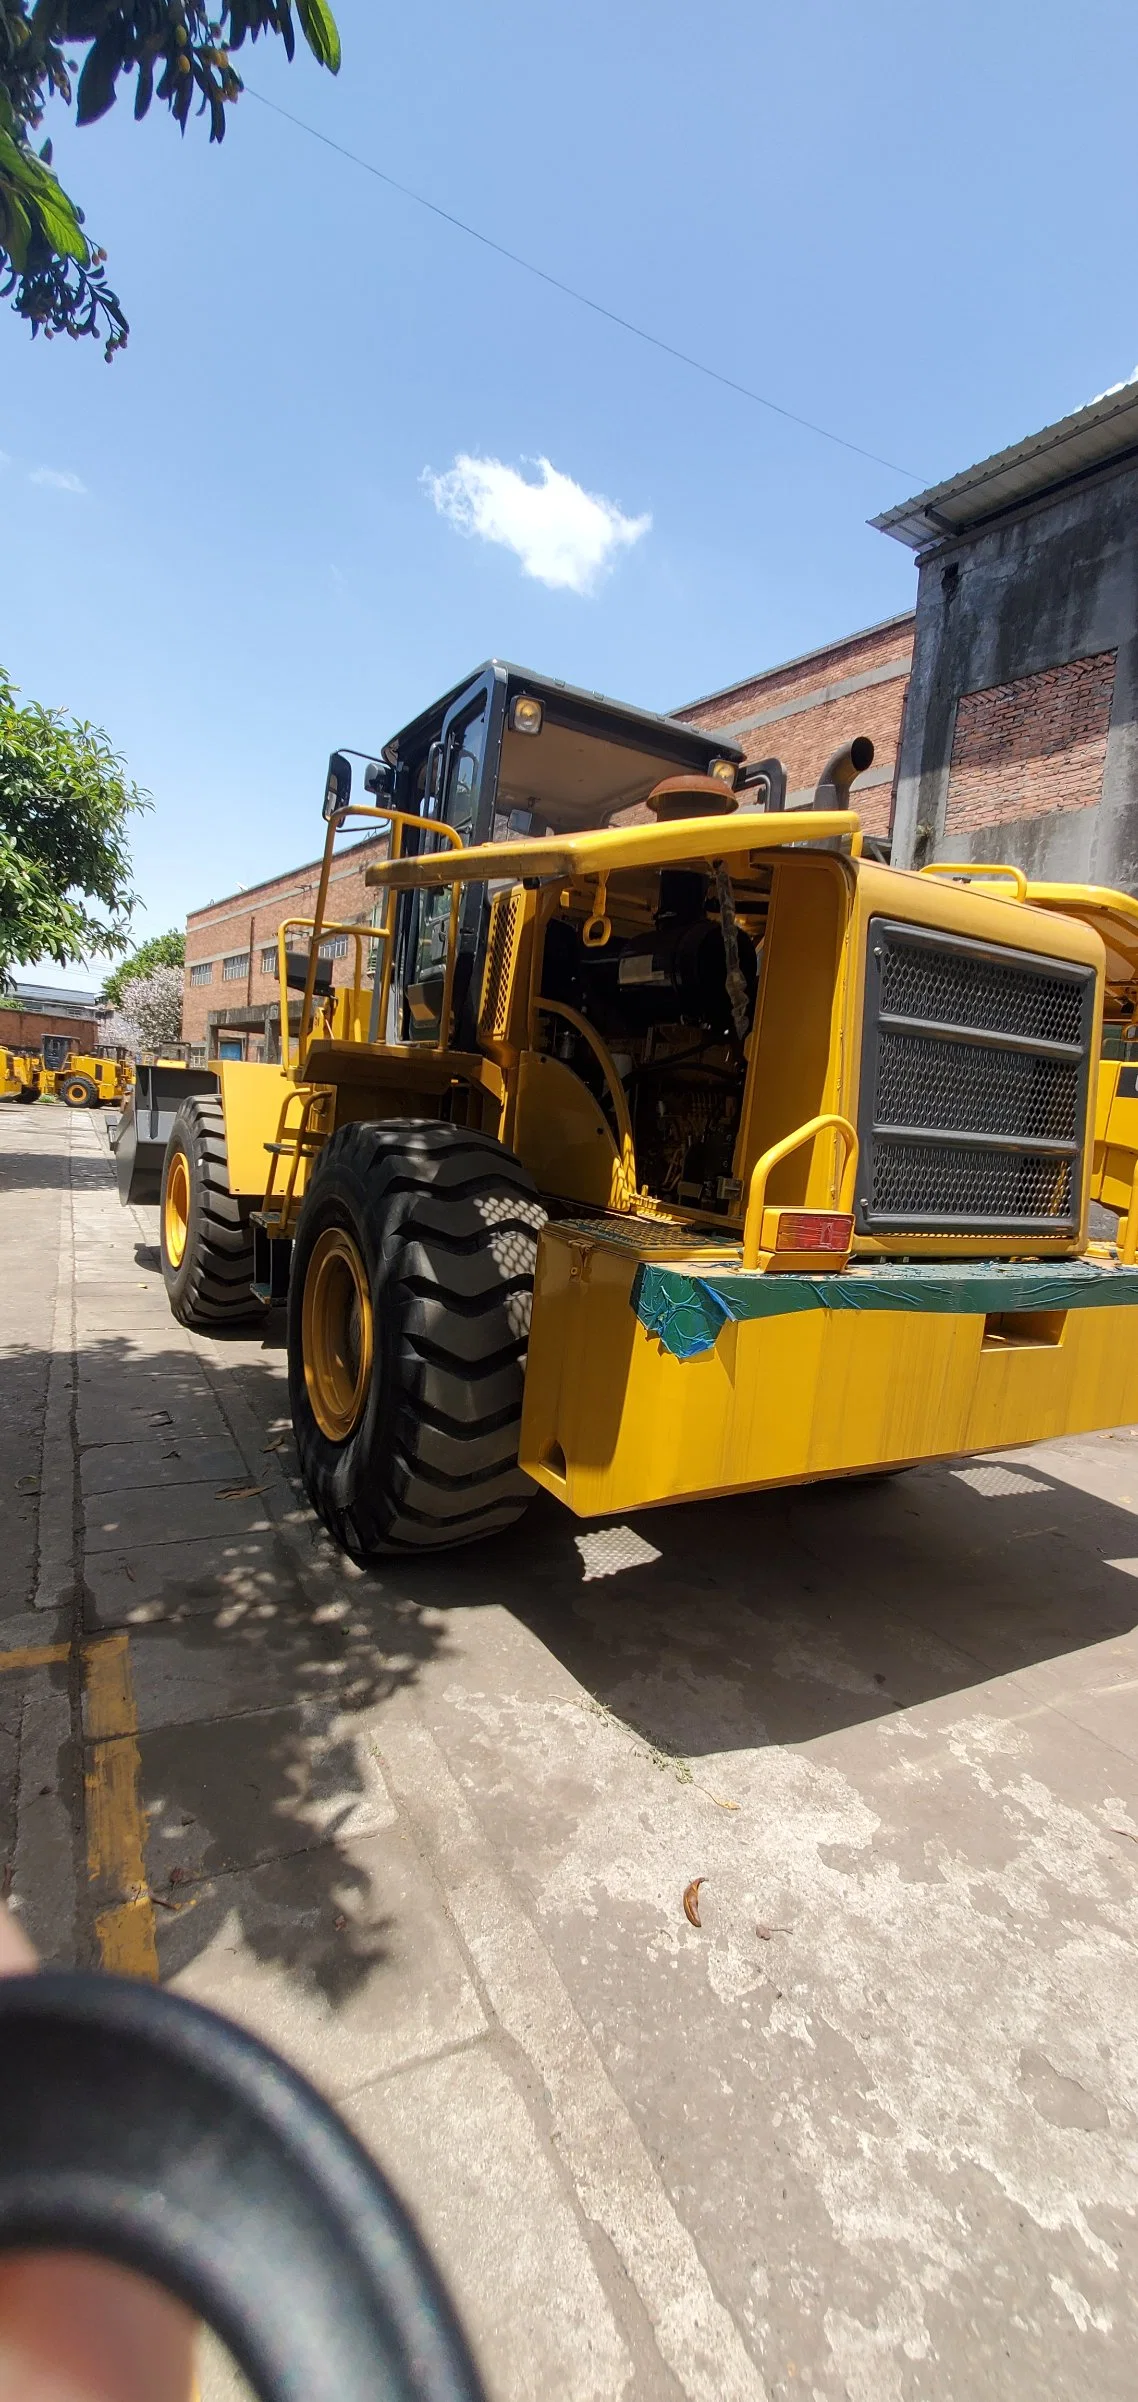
(459, 777)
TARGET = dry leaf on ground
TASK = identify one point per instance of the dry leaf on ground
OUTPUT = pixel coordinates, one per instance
(691, 1902)
(239, 1492)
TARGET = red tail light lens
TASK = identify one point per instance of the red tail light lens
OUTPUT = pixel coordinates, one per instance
(814, 1230)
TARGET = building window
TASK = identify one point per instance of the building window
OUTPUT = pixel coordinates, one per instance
(336, 947)
(235, 968)
(269, 959)
(202, 972)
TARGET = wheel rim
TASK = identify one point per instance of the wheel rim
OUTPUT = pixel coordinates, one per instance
(337, 1334)
(76, 1094)
(176, 1209)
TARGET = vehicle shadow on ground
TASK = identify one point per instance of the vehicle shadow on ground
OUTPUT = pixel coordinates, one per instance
(705, 1628)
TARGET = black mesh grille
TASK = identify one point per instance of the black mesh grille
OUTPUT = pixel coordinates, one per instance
(973, 1088)
(937, 1181)
(958, 989)
(978, 1128)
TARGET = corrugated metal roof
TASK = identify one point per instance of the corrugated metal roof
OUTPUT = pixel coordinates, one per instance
(57, 997)
(1106, 429)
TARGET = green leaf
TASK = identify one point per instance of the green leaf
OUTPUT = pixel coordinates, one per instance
(15, 229)
(97, 82)
(320, 32)
(60, 224)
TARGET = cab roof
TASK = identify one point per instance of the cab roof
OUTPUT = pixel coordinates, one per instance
(569, 705)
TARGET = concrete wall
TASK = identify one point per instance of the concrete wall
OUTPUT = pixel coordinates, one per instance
(1019, 739)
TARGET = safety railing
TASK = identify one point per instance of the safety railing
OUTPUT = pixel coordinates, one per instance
(400, 821)
(763, 1168)
(359, 935)
(980, 871)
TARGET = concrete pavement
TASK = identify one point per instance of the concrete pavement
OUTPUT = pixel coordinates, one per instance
(867, 2131)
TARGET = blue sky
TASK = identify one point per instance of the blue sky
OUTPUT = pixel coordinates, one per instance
(913, 225)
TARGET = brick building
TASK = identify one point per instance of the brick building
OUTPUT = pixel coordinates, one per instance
(33, 1010)
(231, 1003)
(1020, 740)
(803, 711)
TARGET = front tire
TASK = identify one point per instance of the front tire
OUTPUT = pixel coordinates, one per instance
(206, 1238)
(409, 1310)
(28, 1092)
(79, 1093)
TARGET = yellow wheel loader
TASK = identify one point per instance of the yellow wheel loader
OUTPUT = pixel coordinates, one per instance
(84, 1079)
(661, 1142)
(21, 1075)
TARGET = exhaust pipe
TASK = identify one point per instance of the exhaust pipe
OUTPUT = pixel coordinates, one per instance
(832, 790)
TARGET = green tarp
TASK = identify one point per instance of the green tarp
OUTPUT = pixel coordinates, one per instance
(686, 1307)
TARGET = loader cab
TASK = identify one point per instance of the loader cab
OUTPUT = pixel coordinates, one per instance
(504, 757)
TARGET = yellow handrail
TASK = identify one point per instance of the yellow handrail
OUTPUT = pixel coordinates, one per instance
(617, 1094)
(760, 1175)
(980, 871)
(307, 925)
(397, 819)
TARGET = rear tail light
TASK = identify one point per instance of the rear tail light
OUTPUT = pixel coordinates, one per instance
(814, 1230)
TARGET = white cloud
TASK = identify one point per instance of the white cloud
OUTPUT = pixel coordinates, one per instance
(1111, 389)
(564, 536)
(59, 479)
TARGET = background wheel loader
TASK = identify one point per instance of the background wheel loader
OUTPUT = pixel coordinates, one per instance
(84, 1079)
(21, 1075)
(661, 1145)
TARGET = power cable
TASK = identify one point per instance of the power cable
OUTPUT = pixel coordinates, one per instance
(583, 299)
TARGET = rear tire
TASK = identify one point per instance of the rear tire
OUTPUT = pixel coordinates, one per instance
(206, 1238)
(409, 1311)
(28, 1092)
(79, 1093)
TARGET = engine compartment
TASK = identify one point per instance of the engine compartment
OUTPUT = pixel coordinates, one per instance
(672, 992)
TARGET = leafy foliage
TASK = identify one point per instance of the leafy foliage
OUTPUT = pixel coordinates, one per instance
(65, 804)
(178, 52)
(149, 1012)
(162, 950)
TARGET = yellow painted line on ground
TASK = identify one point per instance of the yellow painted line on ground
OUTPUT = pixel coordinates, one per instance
(43, 1655)
(115, 1831)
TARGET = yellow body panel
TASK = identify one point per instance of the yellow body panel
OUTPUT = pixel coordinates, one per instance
(562, 1136)
(613, 1422)
(1116, 1136)
(253, 1095)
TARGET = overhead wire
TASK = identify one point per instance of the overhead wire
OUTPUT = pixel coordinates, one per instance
(572, 292)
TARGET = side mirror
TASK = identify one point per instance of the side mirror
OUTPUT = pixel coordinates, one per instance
(338, 789)
(379, 779)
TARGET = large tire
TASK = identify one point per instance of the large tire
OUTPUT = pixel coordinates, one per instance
(206, 1237)
(409, 1309)
(78, 1092)
(28, 1092)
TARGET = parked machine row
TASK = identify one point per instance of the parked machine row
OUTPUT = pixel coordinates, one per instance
(60, 1070)
(661, 1143)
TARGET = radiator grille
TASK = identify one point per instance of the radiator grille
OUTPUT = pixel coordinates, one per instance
(975, 1071)
(501, 949)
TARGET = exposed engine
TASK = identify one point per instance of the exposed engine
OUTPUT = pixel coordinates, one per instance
(674, 1002)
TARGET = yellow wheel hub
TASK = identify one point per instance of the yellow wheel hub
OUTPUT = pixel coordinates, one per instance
(337, 1334)
(176, 1209)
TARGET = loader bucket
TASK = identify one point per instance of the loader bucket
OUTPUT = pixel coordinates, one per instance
(148, 1113)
